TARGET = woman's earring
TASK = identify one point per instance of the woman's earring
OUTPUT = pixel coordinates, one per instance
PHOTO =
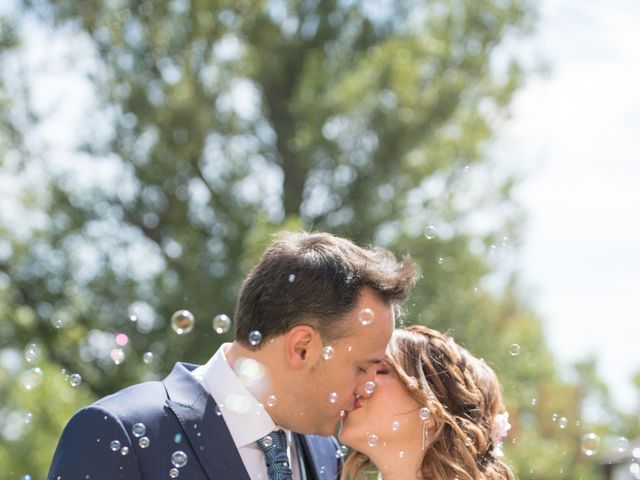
(424, 435)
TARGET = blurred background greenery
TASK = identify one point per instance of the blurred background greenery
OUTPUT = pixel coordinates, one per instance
(217, 123)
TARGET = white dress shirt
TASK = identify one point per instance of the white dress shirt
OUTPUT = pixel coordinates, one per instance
(246, 419)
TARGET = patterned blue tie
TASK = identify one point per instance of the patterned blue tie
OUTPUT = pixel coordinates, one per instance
(274, 447)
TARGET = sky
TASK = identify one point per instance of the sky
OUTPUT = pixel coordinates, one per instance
(575, 132)
(575, 136)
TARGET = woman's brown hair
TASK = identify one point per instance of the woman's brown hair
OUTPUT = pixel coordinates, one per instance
(463, 394)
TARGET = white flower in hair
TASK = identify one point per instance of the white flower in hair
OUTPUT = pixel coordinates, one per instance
(499, 430)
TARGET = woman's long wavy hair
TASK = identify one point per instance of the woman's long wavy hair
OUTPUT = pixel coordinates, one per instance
(463, 395)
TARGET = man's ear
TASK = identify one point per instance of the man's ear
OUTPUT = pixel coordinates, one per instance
(301, 344)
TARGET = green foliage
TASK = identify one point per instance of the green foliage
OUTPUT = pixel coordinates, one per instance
(225, 122)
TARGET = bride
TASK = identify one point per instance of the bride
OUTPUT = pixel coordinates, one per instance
(436, 414)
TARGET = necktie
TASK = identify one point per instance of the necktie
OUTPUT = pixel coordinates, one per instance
(274, 447)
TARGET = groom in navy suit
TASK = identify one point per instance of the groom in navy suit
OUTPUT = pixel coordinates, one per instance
(312, 319)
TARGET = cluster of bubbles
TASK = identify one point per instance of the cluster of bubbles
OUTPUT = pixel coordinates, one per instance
(183, 321)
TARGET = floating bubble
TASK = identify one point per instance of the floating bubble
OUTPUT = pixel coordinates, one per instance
(534, 401)
(401, 454)
(174, 472)
(177, 438)
(144, 442)
(31, 352)
(122, 339)
(271, 401)
(590, 444)
(424, 414)
(267, 441)
(395, 425)
(221, 323)
(32, 378)
(115, 445)
(327, 353)
(430, 232)
(124, 450)
(26, 477)
(117, 355)
(250, 371)
(622, 444)
(217, 410)
(343, 414)
(369, 388)
(342, 451)
(372, 440)
(147, 357)
(179, 458)
(75, 379)
(182, 321)
(554, 417)
(28, 417)
(634, 469)
(255, 338)
(440, 260)
(636, 452)
(563, 422)
(237, 403)
(333, 397)
(139, 429)
(514, 349)
(366, 316)
(292, 278)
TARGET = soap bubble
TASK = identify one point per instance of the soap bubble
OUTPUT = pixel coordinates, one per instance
(372, 440)
(115, 445)
(333, 397)
(255, 338)
(267, 441)
(32, 378)
(292, 278)
(395, 425)
(117, 355)
(424, 414)
(430, 232)
(174, 472)
(369, 387)
(144, 442)
(179, 458)
(327, 353)
(590, 444)
(147, 357)
(341, 452)
(221, 323)
(366, 316)
(182, 322)
(31, 352)
(75, 379)
(514, 349)
(139, 429)
(271, 401)
(563, 422)
(122, 339)
(124, 450)
(622, 444)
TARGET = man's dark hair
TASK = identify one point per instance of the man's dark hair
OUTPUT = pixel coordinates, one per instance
(315, 279)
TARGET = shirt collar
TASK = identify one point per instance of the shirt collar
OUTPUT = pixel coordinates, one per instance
(246, 419)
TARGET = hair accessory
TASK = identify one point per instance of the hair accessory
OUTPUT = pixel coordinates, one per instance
(499, 430)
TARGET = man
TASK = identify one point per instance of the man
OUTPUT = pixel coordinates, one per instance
(312, 319)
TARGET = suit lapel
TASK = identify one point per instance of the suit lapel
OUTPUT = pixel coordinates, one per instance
(319, 457)
(205, 430)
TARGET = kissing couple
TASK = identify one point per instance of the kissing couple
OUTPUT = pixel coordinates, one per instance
(315, 352)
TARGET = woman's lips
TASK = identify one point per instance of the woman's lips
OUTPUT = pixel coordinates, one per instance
(356, 404)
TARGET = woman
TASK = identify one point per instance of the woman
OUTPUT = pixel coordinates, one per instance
(436, 414)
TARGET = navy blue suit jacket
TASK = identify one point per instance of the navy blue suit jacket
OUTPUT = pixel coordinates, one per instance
(179, 415)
